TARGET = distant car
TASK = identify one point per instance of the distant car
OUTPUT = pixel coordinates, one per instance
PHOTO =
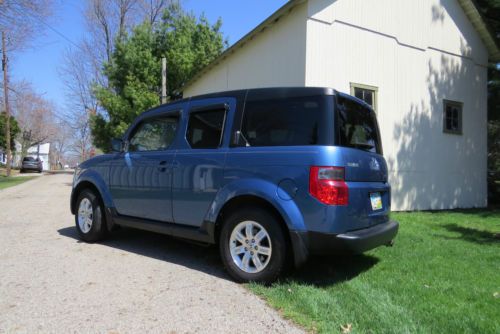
(66, 166)
(31, 164)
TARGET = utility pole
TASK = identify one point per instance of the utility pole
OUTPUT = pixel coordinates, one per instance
(6, 100)
(163, 80)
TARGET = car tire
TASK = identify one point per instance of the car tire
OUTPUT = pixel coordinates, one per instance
(89, 217)
(257, 254)
(21, 171)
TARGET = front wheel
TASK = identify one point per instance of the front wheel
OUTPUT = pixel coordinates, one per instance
(89, 219)
(253, 246)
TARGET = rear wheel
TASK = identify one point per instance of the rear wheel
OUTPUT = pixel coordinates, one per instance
(253, 246)
(89, 218)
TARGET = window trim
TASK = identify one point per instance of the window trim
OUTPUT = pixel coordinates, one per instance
(132, 132)
(208, 108)
(460, 117)
(354, 85)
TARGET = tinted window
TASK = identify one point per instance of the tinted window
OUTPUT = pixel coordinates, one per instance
(357, 126)
(285, 122)
(29, 159)
(205, 128)
(154, 134)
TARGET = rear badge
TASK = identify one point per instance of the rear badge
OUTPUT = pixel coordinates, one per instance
(374, 165)
(352, 164)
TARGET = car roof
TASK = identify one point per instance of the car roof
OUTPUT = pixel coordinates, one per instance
(252, 94)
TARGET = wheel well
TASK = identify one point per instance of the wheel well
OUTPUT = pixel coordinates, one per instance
(79, 188)
(249, 201)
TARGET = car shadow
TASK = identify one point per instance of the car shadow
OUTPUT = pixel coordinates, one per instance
(318, 271)
(325, 271)
(473, 235)
(162, 247)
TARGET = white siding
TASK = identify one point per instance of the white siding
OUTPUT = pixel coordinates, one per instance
(275, 57)
(417, 53)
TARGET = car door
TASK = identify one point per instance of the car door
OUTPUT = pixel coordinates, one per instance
(141, 177)
(199, 162)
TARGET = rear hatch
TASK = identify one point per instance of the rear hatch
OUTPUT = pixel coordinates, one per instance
(30, 162)
(357, 133)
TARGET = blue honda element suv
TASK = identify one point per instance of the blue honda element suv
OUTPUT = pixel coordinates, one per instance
(270, 175)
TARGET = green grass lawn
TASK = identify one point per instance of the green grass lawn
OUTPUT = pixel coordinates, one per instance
(6, 182)
(441, 276)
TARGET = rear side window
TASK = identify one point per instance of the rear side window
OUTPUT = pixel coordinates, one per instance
(153, 134)
(357, 126)
(205, 128)
(285, 121)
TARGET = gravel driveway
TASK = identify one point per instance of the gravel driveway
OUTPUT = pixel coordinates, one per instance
(135, 282)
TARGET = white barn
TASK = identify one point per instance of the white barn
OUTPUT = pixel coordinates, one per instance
(421, 64)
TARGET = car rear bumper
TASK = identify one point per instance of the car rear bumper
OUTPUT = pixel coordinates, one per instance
(359, 241)
(31, 167)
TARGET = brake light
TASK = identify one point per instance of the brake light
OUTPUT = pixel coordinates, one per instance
(327, 185)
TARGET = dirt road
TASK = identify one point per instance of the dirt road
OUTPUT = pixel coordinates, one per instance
(135, 282)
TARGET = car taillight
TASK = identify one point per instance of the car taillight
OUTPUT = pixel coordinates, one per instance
(327, 185)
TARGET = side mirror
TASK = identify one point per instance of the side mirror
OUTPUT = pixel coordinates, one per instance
(117, 145)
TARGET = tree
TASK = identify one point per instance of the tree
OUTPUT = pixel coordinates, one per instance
(134, 72)
(133, 77)
(14, 131)
(188, 44)
(106, 22)
(35, 117)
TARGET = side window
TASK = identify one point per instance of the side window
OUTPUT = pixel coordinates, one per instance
(365, 93)
(285, 121)
(153, 134)
(452, 117)
(205, 128)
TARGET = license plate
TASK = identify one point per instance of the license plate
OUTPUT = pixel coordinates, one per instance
(376, 201)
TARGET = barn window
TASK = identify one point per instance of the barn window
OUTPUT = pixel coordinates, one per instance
(452, 117)
(365, 93)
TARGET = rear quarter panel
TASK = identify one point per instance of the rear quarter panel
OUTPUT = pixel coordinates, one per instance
(281, 176)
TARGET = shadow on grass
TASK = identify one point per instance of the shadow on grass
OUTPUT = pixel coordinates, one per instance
(472, 234)
(319, 271)
(322, 271)
(492, 211)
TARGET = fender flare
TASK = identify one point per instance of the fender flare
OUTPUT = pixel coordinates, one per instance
(94, 178)
(262, 189)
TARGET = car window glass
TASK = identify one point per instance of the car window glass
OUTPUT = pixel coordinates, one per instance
(154, 134)
(205, 128)
(284, 121)
(357, 126)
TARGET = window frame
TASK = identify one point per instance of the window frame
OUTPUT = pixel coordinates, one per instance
(137, 126)
(354, 85)
(207, 108)
(460, 107)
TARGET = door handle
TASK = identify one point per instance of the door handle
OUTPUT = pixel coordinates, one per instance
(162, 166)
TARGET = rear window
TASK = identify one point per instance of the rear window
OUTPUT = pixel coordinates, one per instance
(28, 159)
(285, 121)
(357, 126)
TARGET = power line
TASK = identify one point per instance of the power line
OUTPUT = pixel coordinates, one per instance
(50, 27)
